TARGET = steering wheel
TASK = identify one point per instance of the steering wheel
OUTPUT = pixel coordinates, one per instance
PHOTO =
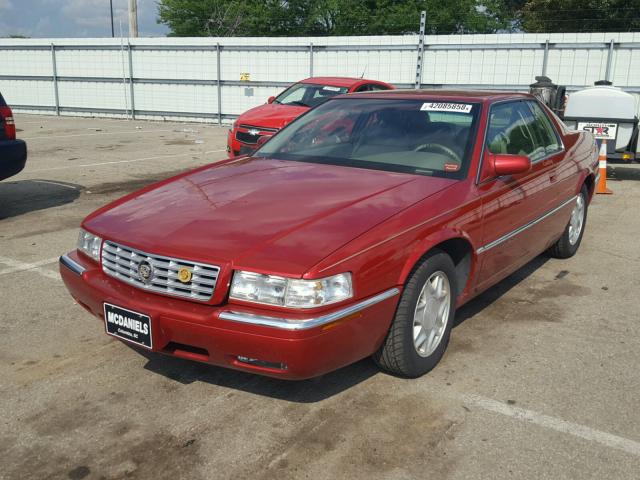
(438, 148)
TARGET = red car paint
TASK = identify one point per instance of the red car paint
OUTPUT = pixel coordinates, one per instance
(269, 118)
(314, 220)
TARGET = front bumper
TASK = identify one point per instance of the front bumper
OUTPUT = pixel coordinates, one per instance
(13, 157)
(242, 338)
(236, 148)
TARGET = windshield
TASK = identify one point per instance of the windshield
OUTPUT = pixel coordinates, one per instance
(308, 94)
(412, 136)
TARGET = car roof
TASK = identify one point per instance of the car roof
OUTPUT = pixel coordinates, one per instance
(337, 81)
(454, 95)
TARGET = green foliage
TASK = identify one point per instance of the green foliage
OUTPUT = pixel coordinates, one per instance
(580, 15)
(328, 17)
(387, 17)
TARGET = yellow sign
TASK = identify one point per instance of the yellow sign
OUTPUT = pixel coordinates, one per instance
(245, 77)
(184, 275)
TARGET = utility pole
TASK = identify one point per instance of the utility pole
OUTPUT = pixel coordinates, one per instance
(113, 34)
(133, 18)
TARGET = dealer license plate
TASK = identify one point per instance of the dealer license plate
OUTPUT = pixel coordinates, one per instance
(602, 131)
(128, 325)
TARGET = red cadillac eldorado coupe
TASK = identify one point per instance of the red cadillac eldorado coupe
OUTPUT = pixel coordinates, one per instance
(355, 231)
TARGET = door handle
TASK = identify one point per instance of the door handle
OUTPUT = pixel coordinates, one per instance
(547, 163)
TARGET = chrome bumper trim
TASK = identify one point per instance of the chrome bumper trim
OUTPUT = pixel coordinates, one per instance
(306, 323)
(521, 229)
(72, 265)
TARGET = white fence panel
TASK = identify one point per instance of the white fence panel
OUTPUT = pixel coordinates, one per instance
(179, 77)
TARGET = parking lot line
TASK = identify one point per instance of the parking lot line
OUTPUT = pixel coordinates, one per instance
(97, 164)
(553, 423)
(122, 132)
(18, 266)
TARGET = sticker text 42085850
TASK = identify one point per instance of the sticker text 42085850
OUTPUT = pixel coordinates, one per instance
(446, 107)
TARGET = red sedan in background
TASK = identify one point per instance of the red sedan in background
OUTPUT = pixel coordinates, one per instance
(356, 231)
(267, 119)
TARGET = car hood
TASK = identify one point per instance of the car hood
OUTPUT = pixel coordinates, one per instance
(271, 115)
(265, 215)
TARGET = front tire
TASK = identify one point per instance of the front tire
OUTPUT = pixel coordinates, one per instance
(420, 331)
(568, 244)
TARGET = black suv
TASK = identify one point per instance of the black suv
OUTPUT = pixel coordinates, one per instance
(13, 153)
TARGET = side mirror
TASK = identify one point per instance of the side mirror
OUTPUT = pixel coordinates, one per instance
(271, 99)
(504, 164)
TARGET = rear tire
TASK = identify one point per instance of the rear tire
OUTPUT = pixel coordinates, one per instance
(568, 244)
(419, 334)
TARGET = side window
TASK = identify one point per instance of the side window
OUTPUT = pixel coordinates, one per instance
(511, 130)
(364, 88)
(370, 87)
(544, 129)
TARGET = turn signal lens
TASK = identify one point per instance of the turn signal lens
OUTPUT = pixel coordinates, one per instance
(90, 244)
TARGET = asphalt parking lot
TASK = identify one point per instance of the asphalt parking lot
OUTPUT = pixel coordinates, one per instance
(541, 379)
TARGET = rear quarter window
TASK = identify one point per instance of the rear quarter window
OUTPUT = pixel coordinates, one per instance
(543, 129)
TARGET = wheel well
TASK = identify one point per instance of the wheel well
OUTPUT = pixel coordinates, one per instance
(590, 183)
(460, 251)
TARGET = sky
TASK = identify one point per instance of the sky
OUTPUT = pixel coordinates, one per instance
(75, 18)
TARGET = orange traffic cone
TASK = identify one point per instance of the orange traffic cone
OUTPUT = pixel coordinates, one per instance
(602, 165)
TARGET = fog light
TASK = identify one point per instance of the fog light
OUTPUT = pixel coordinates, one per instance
(261, 363)
(627, 156)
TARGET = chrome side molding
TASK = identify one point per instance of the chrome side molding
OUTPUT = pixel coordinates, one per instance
(521, 229)
(306, 323)
(72, 265)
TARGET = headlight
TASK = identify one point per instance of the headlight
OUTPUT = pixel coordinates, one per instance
(90, 244)
(290, 292)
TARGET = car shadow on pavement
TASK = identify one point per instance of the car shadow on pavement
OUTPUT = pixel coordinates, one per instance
(316, 389)
(24, 196)
(486, 298)
(302, 391)
(627, 172)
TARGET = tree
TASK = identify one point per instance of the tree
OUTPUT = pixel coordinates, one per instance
(329, 17)
(580, 15)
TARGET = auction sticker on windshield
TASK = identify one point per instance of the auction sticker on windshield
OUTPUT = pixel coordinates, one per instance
(602, 131)
(128, 325)
(446, 107)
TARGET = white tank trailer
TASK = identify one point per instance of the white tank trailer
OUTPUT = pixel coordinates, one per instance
(609, 113)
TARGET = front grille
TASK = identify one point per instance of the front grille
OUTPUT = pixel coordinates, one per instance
(262, 129)
(251, 139)
(246, 137)
(123, 262)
